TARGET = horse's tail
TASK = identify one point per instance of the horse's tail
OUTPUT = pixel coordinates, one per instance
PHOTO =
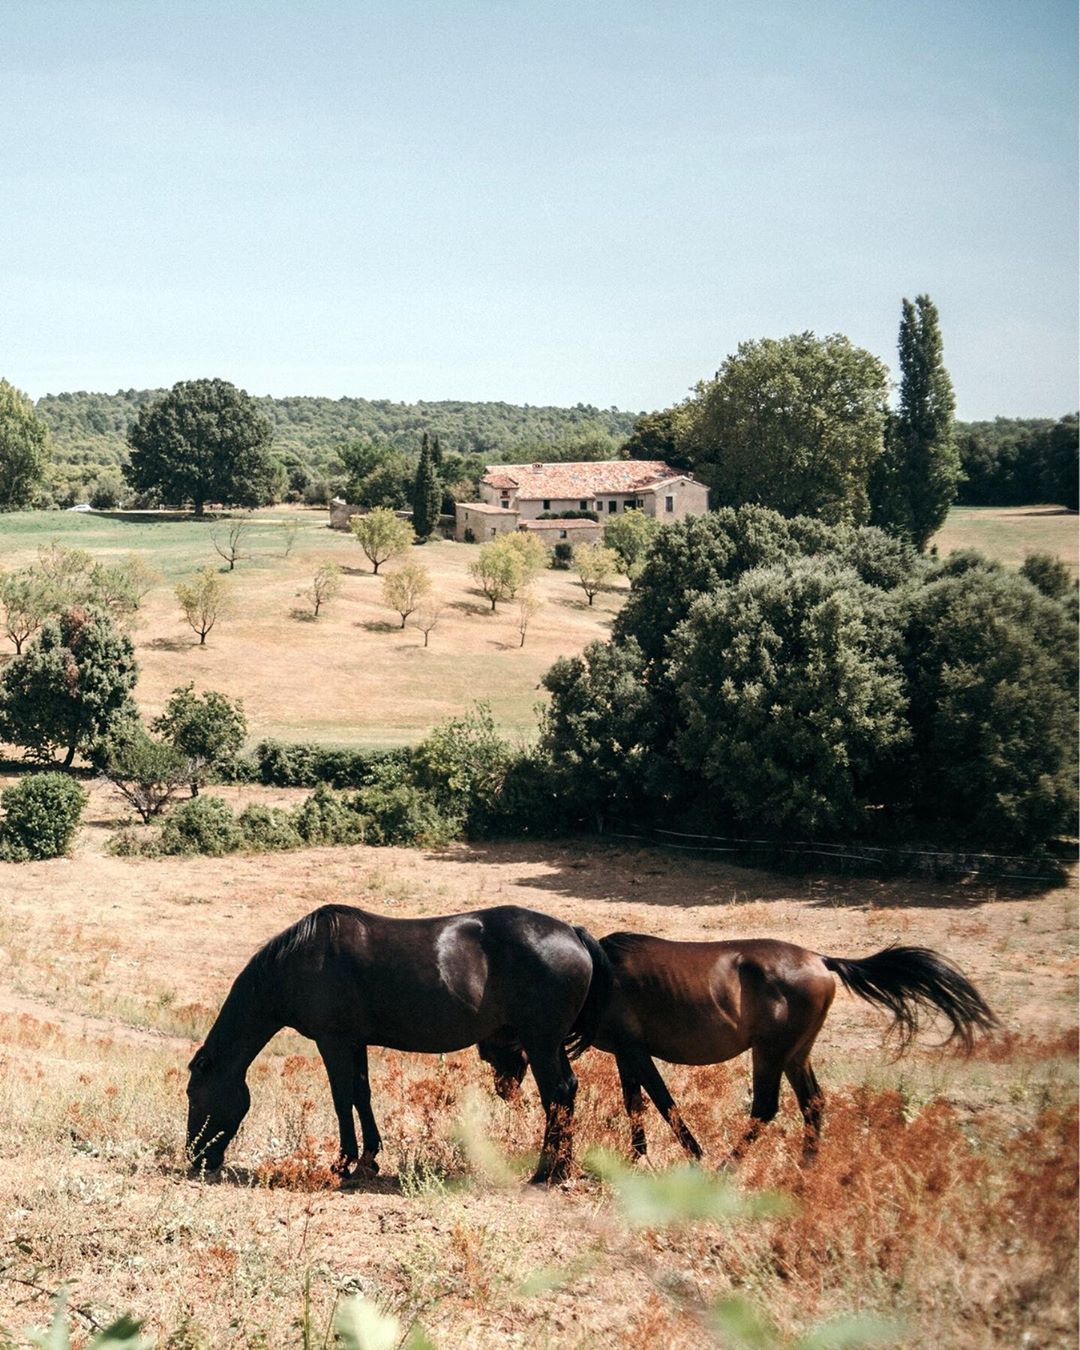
(585, 1027)
(908, 980)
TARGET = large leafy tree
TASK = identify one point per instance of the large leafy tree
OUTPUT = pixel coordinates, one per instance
(207, 729)
(69, 687)
(991, 665)
(915, 482)
(203, 441)
(791, 703)
(793, 423)
(22, 448)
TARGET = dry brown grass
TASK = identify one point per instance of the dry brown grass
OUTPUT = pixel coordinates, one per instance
(352, 675)
(942, 1197)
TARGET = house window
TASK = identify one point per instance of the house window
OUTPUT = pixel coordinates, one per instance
(583, 506)
(505, 503)
(669, 503)
(562, 534)
(612, 508)
(547, 503)
(493, 531)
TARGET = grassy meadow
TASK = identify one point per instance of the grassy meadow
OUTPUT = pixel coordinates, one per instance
(352, 676)
(944, 1198)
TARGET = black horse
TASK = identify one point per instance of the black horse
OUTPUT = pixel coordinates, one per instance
(515, 980)
(707, 1002)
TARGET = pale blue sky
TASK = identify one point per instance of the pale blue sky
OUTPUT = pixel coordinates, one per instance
(544, 202)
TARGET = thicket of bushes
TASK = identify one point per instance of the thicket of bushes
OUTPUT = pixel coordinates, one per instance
(782, 677)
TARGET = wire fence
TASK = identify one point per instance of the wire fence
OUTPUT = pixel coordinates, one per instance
(937, 863)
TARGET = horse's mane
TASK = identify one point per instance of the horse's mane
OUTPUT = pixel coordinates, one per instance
(623, 942)
(324, 921)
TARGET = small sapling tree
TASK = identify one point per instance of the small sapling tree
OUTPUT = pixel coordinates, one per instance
(405, 588)
(594, 565)
(27, 600)
(203, 601)
(426, 618)
(145, 772)
(528, 606)
(325, 584)
(289, 530)
(381, 535)
(229, 541)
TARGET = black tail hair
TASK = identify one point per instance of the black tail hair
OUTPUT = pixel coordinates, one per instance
(587, 1024)
(908, 980)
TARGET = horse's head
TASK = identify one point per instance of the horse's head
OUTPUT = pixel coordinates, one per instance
(218, 1100)
(508, 1065)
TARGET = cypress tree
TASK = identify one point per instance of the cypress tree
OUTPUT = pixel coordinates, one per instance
(436, 453)
(915, 480)
(427, 497)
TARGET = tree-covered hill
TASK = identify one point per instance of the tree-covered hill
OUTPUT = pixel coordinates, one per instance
(88, 431)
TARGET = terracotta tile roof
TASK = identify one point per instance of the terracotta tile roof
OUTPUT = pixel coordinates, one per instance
(589, 479)
(487, 508)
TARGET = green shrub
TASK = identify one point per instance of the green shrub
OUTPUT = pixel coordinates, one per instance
(41, 815)
(562, 557)
(201, 825)
(267, 829)
(304, 764)
(326, 818)
(462, 764)
(403, 814)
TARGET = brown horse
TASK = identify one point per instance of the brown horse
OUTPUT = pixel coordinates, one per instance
(348, 979)
(707, 1002)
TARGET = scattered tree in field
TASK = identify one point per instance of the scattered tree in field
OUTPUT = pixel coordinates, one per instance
(207, 729)
(629, 535)
(795, 424)
(23, 439)
(66, 569)
(532, 553)
(1048, 574)
(229, 539)
(528, 606)
(498, 570)
(426, 618)
(289, 530)
(325, 584)
(203, 601)
(145, 772)
(427, 494)
(381, 535)
(594, 565)
(405, 588)
(69, 686)
(203, 441)
(27, 599)
(914, 483)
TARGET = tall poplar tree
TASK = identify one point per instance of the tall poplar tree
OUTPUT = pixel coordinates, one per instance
(915, 481)
(427, 496)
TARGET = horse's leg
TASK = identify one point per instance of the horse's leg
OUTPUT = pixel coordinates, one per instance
(811, 1102)
(635, 1106)
(362, 1100)
(768, 1070)
(557, 1084)
(648, 1075)
(337, 1054)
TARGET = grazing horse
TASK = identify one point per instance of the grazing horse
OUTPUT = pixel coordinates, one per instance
(507, 976)
(706, 1002)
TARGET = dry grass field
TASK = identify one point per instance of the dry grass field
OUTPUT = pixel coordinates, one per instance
(944, 1198)
(1011, 533)
(352, 676)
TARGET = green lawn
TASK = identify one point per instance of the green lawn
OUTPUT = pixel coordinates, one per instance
(1009, 534)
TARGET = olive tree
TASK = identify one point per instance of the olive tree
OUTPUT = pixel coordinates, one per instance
(381, 535)
(405, 588)
(203, 601)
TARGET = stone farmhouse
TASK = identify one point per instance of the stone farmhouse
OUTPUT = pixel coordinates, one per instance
(515, 496)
